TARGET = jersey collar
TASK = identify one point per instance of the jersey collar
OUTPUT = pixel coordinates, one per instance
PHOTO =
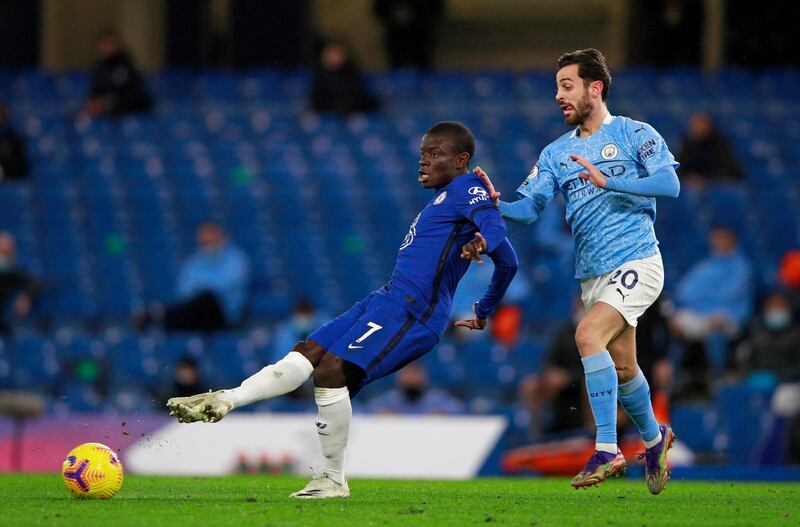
(606, 120)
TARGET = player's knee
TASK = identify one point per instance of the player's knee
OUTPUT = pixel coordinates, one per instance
(310, 350)
(586, 338)
(329, 372)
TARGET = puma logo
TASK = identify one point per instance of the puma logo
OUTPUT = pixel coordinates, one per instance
(639, 130)
(623, 295)
(562, 164)
(277, 374)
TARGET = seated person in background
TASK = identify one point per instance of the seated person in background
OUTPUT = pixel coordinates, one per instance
(117, 87)
(705, 155)
(212, 286)
(554, 398)
(300, 324)
(771, 356)
(773, 345)
(13, 157)
(187, 379)
(413, 395)
(713, 299)
(17, 288)
(337, 86)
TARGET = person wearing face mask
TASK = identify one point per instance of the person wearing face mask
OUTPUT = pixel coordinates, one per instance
(773, 346)
(771, 356)
(212, 287)
(17, 288)
(413, 395)
(13, 157)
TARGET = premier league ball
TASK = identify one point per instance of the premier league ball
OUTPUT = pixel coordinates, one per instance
(92, 470)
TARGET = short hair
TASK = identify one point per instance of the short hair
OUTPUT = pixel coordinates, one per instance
(460, 134)
(591, 67)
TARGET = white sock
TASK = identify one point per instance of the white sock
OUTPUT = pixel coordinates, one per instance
(610, 448)
(284, 376)
(653, 442)
(333, 427)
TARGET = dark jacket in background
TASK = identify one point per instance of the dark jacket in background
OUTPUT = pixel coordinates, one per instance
(13, 157)
(710, 157)
(115, 79)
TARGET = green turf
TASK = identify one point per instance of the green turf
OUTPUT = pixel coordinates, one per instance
(262, 500)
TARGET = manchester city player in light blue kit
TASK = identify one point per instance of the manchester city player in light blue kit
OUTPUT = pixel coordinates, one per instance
(609, 169)
(396, 324)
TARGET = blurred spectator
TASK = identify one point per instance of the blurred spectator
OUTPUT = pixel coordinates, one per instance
(303, 320)
(13, 156)
(789, 274)
(773, 344)
(17, 288)
(413, 395)
(337, 86)
(212, 286)
(409, 30)
(714, 299)
(554, 398)
(187, 380)
(770, 357)
(705, 155)
(117, 87)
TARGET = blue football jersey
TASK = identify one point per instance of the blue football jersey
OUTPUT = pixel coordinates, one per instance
(609, 228)
(429, 266)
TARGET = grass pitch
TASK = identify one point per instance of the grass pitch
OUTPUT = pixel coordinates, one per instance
(262, 500)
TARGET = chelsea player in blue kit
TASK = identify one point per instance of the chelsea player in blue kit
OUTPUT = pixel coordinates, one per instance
(609, 170)
(396, 324)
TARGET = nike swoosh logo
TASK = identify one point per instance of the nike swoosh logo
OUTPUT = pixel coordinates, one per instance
(351, 347)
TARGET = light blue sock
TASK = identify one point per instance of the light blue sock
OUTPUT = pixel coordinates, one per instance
(634, 396)
(601, 383)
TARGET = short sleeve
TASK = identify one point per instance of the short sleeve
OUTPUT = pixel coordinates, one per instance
(471, 198)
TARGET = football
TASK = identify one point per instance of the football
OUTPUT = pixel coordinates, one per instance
(92, 470)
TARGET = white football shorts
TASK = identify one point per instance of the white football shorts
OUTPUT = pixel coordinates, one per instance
(630, 289)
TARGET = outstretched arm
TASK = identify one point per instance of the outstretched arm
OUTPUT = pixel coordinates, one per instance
(520, 211)
(505, 268)
(662, 184)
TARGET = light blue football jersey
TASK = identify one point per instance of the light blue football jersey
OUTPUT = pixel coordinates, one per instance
(609, 228)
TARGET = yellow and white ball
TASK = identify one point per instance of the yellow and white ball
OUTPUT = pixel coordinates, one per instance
(92, 470)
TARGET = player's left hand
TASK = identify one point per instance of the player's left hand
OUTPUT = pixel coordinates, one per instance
(597, 178)
(474, 248)
(473, 323)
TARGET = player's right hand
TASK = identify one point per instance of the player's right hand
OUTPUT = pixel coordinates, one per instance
(473, 249)
(493, 194)
(473, 323)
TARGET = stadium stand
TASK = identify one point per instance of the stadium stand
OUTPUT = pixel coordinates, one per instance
(320, 205)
